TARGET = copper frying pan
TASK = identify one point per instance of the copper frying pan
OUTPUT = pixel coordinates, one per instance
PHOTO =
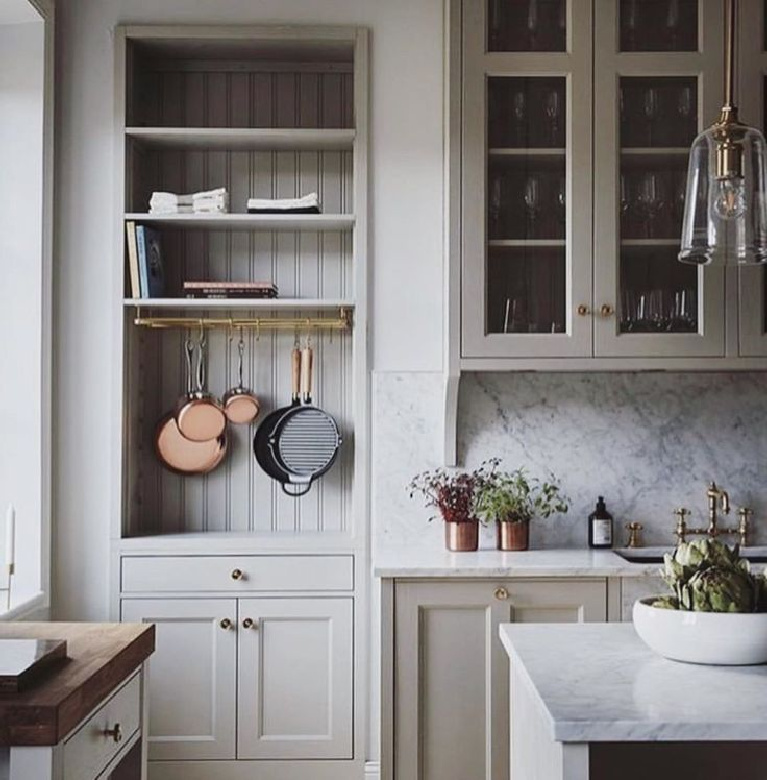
(199, 415)
(184, 456)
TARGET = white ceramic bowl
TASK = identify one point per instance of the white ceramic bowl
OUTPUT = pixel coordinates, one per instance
(733, 639)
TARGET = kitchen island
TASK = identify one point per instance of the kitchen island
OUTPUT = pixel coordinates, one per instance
(592, 702)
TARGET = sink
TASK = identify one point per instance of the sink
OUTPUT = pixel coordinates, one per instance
(650, 555)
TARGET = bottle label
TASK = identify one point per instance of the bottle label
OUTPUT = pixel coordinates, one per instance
(601, 531)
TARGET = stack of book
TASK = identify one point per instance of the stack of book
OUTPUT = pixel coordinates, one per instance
(207, 289)
(147, 274)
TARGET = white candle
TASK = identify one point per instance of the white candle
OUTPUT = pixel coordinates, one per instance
(10, 537)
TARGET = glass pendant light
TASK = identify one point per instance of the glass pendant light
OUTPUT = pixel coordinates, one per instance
(725, 214)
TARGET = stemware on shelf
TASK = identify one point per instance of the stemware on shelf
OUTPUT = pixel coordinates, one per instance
(672, 24)
(553, 108)
(532, 24)
(532, 203)
(650, 108)
(684, 109)
(494, 206)
(519, 111)
(650, 202)
(561, 204)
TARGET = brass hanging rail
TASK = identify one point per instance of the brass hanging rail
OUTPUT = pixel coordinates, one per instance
(342, 322)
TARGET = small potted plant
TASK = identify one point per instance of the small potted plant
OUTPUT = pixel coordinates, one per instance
(512, 500)
(454, 494)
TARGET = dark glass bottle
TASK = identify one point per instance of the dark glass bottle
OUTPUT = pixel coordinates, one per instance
(600, 527)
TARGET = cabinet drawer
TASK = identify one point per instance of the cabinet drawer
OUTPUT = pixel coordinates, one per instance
(88, 751)
(237, 573)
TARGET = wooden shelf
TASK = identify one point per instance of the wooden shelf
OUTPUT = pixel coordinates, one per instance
(516, 152)
(655, 151)
(248, 221)
(531, 243)
(650, 242)
(242, 139)
(262, 304)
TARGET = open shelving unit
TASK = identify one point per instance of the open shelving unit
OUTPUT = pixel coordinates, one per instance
(264, 113)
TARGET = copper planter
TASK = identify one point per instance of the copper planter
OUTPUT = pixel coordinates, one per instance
(462, 535)
(513, 536)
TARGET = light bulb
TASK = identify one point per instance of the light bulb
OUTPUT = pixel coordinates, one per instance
(729, 197)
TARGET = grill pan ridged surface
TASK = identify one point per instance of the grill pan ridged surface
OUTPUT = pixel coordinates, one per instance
(308, 441)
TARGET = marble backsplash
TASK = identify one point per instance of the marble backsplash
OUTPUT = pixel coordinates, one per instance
(648, 442)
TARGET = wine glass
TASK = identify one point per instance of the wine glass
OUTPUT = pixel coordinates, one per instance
(562, 203)
(684, 110)
(625, 205)
(680, 196)
(495, 25)
(519, 111)
(494, 207)
(631, 25)
(532, 23)
(552, 112)
(672, 23)
(650, 200)
(650, 107)
(532, 203)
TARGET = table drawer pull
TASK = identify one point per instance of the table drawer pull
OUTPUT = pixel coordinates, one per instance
(250, 623)
(115, 733)
(225, 623)
(237, 574)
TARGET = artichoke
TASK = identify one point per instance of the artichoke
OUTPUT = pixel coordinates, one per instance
(719, 589)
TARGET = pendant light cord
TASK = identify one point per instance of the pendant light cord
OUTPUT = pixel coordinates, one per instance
(729, 54)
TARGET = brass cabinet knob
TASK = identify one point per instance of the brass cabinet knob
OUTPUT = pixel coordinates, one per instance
(501, 594)
(115, 733)
(249, 623)
(606, 310)
(225, 623)
(237, 574)
(583, 310)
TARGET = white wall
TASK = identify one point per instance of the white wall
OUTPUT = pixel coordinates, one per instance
(21, 170)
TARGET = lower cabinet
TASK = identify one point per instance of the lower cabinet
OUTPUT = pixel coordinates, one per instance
(451, 680)
(249, 678)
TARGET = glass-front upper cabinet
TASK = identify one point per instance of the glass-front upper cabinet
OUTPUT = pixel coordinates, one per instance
(526, 178)
(658, 82)
(752, 99)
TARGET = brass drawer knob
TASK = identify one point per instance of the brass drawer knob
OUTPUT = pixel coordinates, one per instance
(583, 310)
(115, 733)
(501, 594)
(249, 623)
(606, 310)
(237, 574)
(225, 623)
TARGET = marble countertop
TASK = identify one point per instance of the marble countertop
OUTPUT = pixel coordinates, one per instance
(601, 683)
(434, 562)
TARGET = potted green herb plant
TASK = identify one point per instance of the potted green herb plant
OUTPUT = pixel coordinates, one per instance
(454, 495)
(512, 499)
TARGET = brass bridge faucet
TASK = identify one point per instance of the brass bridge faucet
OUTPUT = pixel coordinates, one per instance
(717, 498)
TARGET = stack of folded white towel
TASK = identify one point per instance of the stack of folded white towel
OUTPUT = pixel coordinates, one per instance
(208, 202)
(308, 204)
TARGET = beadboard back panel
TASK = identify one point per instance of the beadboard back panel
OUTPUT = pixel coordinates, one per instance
(224, 92)
(238, 496)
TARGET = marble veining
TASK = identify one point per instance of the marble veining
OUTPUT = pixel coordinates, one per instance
(601, 683)
(648, 442)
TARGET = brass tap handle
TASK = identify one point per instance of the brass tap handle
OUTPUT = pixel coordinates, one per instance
(501, 594)
(225, 623)
(115, 733)
(681, 523)
(237, 574)
(744, 524)
(249, 623)
(583, 310)
(634, 530)
(606, 311)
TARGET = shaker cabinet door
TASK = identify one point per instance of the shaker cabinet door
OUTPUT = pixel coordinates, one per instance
(191, 676)
(295, 691)
(451, 673)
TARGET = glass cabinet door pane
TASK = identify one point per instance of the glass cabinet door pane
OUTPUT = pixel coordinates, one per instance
(526, 205)
(658, 121)
(658, 25)
(526, 25)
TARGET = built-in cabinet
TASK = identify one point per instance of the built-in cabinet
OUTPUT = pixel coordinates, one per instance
(254, 592)
(445, 711)
(576, 120)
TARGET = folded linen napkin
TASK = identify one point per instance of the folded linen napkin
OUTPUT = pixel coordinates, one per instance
(170, 197)
(170, 209)
(308, 204)
(217, 193)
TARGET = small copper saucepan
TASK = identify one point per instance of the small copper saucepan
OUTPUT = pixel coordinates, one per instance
(240, 404)
(199, 415)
